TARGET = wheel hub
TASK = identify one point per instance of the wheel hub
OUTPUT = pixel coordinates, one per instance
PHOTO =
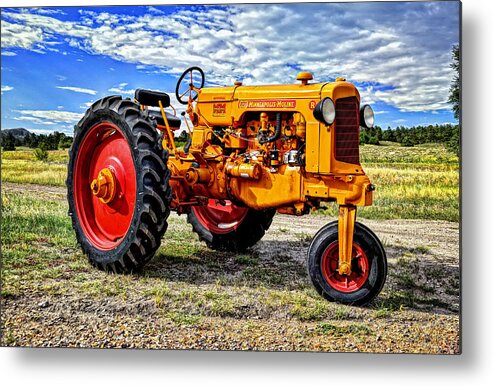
(103, 186)
(345, 281)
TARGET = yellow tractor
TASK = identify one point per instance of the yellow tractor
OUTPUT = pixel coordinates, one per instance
(252, 151)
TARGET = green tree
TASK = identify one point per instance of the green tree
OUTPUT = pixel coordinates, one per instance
(388, 135)
(32, 140)
(407, 141)
(181, 139)
(454, 95)
(363, 137)
(453, 142)
(40, 153)
(8, 142)
(379, 133)
(373, 140)
(65, 142)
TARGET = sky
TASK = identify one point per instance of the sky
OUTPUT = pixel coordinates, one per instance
(56, 61)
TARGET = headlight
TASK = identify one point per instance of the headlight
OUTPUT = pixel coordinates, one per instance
(366, 116)
(325, 111)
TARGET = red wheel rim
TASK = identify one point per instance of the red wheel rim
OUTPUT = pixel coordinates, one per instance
(360, 269)
(219, 218)
(105, 146)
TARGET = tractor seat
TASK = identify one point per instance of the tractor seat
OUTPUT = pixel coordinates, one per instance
(152, 98)
(174, 122)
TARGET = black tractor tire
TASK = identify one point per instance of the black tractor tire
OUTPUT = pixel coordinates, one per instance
(152, 196)
(246, 235)
(375, 262)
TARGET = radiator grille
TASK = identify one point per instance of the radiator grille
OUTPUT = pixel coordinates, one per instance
(347, 130)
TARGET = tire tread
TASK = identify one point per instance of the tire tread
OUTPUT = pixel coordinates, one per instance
(152, 222)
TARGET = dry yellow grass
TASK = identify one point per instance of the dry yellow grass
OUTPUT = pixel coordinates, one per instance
(412, 182)
(34, 172)
(21, 167)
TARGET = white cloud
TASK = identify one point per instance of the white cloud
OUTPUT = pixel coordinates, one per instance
(36, 121)
(49, 24)
(67, 129)
(155, 10)
(120, 89)
(6, 88)
(8, 53)
(78, 89)
(41, 131)
(86, 105)
(48, 11)
(36, 32)
(55, 116)
(404, 51)
(19, 35)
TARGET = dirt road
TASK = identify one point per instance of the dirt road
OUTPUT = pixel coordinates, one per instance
(190, 297)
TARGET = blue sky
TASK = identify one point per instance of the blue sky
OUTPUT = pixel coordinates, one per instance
(56, 61)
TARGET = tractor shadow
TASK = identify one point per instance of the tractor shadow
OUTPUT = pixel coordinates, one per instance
(419, 280)
(416, 279)
(270, 264)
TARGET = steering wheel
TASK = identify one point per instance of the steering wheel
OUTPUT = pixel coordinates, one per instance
(195, 76)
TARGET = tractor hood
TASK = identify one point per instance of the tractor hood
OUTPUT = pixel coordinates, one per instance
(272, 92)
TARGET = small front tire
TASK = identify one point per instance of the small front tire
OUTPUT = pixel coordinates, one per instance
(369, 266)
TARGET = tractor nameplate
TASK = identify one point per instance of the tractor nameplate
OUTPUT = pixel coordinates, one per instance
(267, 104)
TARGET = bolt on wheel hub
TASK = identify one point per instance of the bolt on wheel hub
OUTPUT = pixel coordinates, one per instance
(103, 187)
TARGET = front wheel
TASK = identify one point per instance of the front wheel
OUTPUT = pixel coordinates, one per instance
(227, 227)
(368, 266)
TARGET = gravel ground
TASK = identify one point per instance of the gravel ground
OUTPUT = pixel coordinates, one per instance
(417, 311)
(100, 325)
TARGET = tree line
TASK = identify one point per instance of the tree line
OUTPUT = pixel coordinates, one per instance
(447, 134)
(407, 136)
(52, 141)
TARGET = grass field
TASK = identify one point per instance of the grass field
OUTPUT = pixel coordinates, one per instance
(191, 297)
(420, 182)
(20, 166)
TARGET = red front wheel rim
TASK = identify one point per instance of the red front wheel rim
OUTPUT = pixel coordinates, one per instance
(105, 224)
(218, 218)
(360, 269)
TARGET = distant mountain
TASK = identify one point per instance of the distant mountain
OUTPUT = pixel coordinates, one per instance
(18, 133)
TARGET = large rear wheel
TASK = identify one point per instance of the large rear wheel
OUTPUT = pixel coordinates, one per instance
(118, 186)
(225, 226)
(368, 266)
